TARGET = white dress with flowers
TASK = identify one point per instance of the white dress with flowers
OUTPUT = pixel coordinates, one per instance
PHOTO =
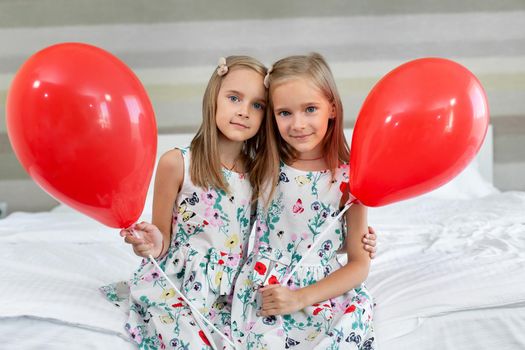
(305, 202)
(210, 235)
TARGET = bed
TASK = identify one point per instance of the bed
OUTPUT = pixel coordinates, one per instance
(450, 273)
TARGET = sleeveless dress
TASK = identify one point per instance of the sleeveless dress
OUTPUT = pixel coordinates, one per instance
(210, 235)
(304, 203)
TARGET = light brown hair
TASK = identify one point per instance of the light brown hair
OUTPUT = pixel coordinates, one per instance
(314, 68)
(205, 166)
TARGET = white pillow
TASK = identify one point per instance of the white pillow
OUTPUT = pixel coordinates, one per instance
(466, 185)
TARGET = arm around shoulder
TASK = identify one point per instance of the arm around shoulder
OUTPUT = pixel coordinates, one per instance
(357, 228)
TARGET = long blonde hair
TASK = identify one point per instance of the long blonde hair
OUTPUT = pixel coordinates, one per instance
(205, 166)
(314, 68)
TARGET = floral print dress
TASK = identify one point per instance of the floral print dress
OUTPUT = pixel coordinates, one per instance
(304, 203)
(210, 236)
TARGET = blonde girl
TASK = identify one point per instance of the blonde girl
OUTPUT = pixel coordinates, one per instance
(294, 291)
(201, 218)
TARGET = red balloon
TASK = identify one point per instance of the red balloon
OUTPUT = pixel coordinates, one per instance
(81, 124)
(420, 126)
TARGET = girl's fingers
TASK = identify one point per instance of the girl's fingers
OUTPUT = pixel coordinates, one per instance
(366, 242)
(268, 305)
(144, 250)
(133, 240)
(369, 248)
(270, 286)
(144, 247)
(371, 230)
(137, 234)
(144, 226)
(269, 312)
(268, 294)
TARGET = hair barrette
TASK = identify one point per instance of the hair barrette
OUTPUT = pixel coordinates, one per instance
(266, 80)
(223, 68)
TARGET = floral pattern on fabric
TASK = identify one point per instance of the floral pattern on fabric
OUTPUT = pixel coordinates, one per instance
(210, 233)
(304, 204)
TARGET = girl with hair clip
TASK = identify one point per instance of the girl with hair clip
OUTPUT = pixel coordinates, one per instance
(202, 218)
(293, 292)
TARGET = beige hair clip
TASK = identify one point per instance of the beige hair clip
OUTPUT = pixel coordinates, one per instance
(266, 80)
(223, 68)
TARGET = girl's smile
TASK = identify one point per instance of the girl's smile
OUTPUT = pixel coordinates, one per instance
(302, 137)
(302, 114)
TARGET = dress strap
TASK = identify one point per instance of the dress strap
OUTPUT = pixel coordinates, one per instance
(186, 156)
(187, 185)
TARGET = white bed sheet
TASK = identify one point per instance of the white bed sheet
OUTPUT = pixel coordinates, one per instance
(30, 333)
(450, 274)
(52, 265)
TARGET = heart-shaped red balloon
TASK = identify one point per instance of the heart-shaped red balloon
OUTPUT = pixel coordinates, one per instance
(420, 126)
(83, 127)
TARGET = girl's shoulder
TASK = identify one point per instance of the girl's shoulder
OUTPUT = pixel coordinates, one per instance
(176, 156)
(171, 163)
(173, 156)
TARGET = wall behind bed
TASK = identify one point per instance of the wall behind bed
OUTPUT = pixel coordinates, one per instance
(173, 46)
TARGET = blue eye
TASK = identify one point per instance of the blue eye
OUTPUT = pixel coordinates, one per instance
(284, 113)
(257, 105)
(233, 98)
(311, 109)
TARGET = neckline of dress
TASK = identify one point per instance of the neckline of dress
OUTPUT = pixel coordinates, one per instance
(233, 172)
(222, 167)
(306, 171)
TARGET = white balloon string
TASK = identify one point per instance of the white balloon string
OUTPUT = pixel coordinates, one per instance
(287, 277)
(190, 304)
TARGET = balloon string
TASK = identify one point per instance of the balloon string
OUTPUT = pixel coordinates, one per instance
(133, 232)
(348, 204)
(190, 304)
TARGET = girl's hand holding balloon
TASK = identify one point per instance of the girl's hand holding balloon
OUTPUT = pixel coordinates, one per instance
(145, 238)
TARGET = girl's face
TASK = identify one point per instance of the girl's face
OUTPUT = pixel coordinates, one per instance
(240, 104)
(302, 113)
